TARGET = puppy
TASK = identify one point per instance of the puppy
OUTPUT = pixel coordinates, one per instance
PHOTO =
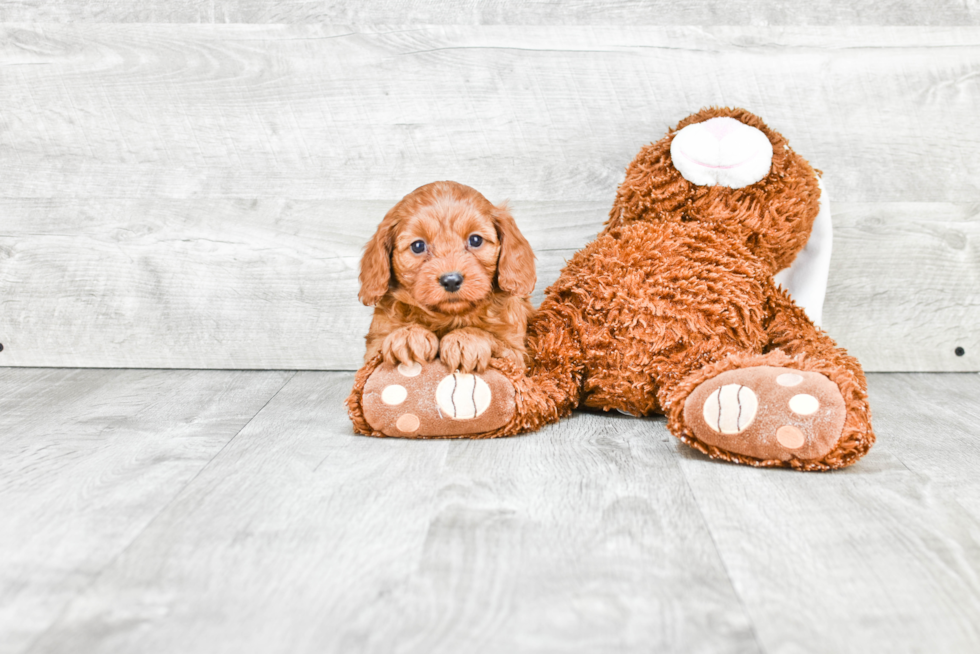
(450, 274)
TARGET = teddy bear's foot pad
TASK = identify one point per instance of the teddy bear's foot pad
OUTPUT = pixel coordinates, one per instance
(768, 412)
(429, 400)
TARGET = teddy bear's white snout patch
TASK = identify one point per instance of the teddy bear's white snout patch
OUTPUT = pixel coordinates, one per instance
(721, 152)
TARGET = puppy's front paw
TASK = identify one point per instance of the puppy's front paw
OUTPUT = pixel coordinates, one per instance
(410, 344)
(466, 349)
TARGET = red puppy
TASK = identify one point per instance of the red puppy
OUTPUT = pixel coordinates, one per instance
(449, 274)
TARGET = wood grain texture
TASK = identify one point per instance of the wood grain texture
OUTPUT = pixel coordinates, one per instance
(88, 459)
(904, 289)
(204, 283)
(197, 196)
(221, 283)
(531, 113)
(930, 430)
(601, 533)
(302, 537)
(881, 557)
(510, 12)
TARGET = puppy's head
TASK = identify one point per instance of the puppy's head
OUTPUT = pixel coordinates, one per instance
(449, 248)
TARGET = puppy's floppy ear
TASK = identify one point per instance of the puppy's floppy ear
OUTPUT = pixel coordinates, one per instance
(376, 263)
(515, 264)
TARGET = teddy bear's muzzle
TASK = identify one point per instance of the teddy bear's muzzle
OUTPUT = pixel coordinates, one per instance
(721, 152)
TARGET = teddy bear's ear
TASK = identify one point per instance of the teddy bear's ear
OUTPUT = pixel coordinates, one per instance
(375, 274)
(515, 263)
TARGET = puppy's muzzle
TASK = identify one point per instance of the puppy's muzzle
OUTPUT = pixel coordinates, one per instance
(451, 281)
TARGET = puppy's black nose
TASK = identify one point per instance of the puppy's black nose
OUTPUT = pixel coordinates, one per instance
(451, 281)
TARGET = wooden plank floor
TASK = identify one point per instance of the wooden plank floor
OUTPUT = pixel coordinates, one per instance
(232, 511)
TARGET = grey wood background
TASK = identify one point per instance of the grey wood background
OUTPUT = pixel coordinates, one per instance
(232, 511)
(507, 12)
(196, 195)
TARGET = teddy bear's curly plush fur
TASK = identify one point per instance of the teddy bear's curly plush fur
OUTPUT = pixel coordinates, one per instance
(672, 309)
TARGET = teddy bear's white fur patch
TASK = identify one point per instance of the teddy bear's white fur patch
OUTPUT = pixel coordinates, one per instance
(721, 152)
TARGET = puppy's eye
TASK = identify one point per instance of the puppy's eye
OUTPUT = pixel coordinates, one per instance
(475, 240)
(418, 247)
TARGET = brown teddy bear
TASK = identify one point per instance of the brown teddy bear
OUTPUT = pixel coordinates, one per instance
(672, 309)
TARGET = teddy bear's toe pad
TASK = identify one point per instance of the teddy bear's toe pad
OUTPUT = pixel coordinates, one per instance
(428, 400)
(768, 413)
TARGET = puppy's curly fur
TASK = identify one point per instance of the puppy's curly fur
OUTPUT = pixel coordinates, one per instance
(439, 235)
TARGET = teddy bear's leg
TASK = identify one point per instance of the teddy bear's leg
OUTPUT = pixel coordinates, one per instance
(802, 404)
(430, 401)
(765, 409)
